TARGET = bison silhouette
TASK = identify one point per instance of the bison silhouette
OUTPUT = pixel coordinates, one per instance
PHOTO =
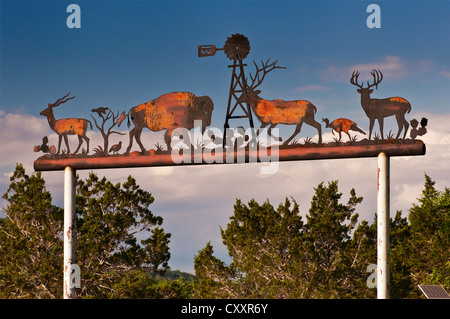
(168, 112)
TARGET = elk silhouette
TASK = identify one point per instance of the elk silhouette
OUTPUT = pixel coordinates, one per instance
(64, 127)
(378, 109)
(276, 112)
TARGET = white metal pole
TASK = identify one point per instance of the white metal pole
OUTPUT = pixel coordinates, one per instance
(383, 227)
(69, 236)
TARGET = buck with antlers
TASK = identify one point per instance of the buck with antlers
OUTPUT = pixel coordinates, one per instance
(276, 112)
(378, 109)
(64, 127)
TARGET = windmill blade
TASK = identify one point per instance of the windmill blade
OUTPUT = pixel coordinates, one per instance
(207, 50)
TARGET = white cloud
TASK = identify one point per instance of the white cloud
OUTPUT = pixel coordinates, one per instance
(312, 88)
(392, 67)
(195, 201)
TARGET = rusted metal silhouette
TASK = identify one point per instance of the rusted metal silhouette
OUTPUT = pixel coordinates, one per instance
(45, 148)
(105, 115)
(276, 112)
(236, 48)
(64, 127)
(418, 131)
(168, 112)
(378, 109)
(116, 148)
(342, 125)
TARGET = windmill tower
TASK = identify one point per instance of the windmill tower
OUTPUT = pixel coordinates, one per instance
(236, 48)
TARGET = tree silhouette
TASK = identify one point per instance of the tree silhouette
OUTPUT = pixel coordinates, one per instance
(107, 114)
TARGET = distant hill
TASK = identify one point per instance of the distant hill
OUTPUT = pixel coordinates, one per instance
(175, 274)
(172, 275)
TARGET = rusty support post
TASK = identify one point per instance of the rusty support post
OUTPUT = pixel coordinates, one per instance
(383, 227)
(69, 236)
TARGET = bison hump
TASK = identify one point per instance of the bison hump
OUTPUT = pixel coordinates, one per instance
(175, 100)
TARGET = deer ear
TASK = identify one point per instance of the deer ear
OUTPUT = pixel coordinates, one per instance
(358, 90)
(370, 91)
(257, 92)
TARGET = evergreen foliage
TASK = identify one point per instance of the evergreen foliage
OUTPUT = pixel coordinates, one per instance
(109, 219)
(277, 255)
(123, 251)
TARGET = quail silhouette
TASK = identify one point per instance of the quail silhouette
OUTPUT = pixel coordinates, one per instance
(116, 148)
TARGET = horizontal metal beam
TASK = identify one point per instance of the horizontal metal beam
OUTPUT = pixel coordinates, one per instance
(291, 153)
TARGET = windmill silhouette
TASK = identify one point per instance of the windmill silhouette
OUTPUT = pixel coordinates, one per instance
(236, 48)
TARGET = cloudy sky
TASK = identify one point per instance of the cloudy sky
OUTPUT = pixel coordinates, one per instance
(127, 53)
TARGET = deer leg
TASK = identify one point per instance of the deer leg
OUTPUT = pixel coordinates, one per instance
(402, 123)
(400, 127)
(59, 143)
(80, 141)
(297, 130)
(269, 132)
(317, 125)
(372, 122)
(261, 128)
(406, 126)
(87, 142)
(67, 143)
(380, 124)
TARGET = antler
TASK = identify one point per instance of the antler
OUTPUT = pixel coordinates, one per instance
(354, 79)
(266, 68)
(60, 101)
(377, 78)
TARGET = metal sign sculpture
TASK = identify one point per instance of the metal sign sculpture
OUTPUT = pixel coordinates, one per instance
(179, 112)
(176, 110)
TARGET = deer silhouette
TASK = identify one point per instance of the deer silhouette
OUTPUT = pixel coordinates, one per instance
(276, 112)
(378, 109)
(64, 127)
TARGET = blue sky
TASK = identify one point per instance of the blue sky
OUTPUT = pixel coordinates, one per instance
(129, 52)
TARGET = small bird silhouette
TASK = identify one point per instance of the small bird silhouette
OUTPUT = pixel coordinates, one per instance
(116, 148)
(100, 110)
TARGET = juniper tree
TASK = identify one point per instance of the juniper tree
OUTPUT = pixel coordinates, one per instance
(276, 255)
(429, 243)
(116, 235)
(30, 240)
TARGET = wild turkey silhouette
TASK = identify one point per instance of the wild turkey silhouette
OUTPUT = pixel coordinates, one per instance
(342, 125)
